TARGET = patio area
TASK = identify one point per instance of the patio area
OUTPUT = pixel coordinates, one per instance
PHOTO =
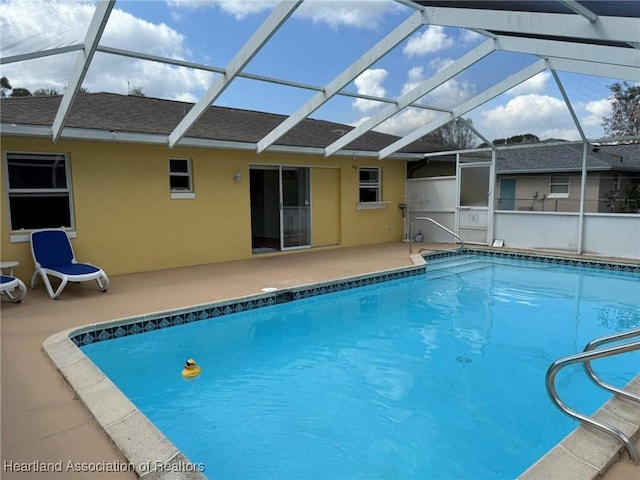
(42, 420)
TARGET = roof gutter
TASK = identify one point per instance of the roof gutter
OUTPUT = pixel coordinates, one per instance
(112, 136)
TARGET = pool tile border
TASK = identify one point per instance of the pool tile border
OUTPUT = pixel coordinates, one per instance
(135, 325)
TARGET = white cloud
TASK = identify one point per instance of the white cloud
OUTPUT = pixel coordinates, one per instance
(438, 63)
(359, 14)
(596, 111)
(469, 36)
(29, 26)
(43, 25)
(448, 95)
(239, 9)
(370, 82)
(541, 115)
(536, 84)
(416, 77)
(433, 39)
(407, 121)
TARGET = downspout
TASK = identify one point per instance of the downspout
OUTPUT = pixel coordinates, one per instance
(583, 187)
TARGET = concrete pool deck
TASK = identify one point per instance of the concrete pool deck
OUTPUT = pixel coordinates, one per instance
(44, 423)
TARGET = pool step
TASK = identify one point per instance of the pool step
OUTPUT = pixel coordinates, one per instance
(453, 266)
(449, 262)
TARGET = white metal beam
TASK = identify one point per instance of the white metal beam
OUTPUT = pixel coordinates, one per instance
(94, 33)
(465, 107)
(580, 9)
(629, 57)
(260, 37)
(418, 92)
(249, 76)
(42, 53)
(616, 29)
(607, 70)
(407, 27)
(567, 102)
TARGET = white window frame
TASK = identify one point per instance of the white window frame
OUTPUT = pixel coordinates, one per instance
(182, 193)
(377, 203)
(23, 234)
(557, 183)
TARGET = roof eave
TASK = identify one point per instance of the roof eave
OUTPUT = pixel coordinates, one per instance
(70, 133)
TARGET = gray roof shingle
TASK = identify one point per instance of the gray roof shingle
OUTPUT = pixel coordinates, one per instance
(563, 158)
(123, 113)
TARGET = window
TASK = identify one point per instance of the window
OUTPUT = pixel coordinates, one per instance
(180, 179)
(559, 187)
(38, 187)
(369, 184)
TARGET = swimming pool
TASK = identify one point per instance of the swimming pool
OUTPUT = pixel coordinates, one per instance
(350, 385)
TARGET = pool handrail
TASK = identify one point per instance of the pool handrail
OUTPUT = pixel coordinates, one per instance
(591, 353)
(595, 343)
(437, 224)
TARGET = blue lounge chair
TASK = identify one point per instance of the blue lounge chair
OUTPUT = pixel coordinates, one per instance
(53, 256)
(8, 285)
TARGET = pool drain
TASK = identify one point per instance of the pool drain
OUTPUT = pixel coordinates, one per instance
(462, 359)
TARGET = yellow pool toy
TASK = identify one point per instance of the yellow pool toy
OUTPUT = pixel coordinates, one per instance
(190, 369)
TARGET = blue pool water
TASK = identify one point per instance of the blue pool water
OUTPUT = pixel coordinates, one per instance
(424, 378)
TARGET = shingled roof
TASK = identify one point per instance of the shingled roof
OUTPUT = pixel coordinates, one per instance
(566, 158)
(144, 115)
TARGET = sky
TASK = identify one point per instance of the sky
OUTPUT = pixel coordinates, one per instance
(319, 41)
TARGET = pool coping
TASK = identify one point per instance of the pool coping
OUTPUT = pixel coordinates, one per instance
(152, 456)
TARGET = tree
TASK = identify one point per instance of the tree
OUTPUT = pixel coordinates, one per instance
(457, 134)
(20, 92)
(43, 92)
(625, 111)
(136, 92)
(4, 86)
(522, 138)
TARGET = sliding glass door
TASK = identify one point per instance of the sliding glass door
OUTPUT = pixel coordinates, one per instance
(296, 207)
(280, 208)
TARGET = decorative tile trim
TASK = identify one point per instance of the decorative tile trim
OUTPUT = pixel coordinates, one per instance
(132, 326)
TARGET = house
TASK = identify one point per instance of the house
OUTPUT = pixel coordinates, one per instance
(548, 177)
(131, 203)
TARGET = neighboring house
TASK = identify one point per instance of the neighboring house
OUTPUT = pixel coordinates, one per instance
(549, 178)
(133, 204)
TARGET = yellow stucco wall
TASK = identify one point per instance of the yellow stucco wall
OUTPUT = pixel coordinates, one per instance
(126, 221)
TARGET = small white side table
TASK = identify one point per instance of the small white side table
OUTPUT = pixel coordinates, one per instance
(9, 265)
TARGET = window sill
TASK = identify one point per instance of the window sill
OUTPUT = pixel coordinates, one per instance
(26, 237)
(372, 205)
(558, 195)
(183, 195)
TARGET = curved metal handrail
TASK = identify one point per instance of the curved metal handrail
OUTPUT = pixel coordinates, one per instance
(435, 223)
(556, 366)
(592, 345)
